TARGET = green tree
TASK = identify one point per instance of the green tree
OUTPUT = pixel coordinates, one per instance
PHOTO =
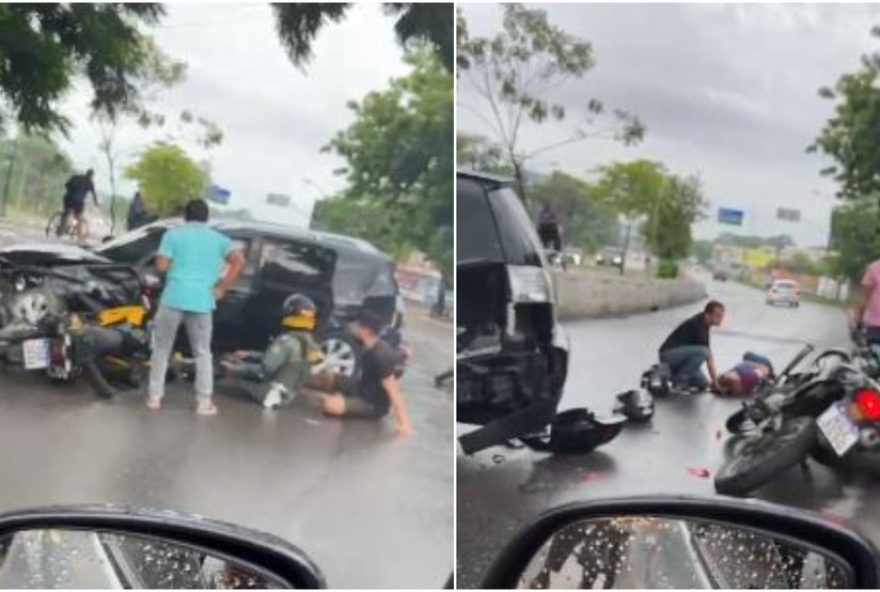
(514, 71)
(399, 153)
(33, 172)
(299, 24)
(478, 153)
(854, 236)
(168, 177)
(851, 137)
(667, 230)
(45, 47)
(633, 189)
(586, 221)
(667, 204)
(364, 218)
(159, 71)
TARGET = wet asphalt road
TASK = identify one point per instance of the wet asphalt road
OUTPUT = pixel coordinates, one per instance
(500, 489)
(373, 511)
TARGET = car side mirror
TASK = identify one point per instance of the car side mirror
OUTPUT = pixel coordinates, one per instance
(676, 542)
(110, 547)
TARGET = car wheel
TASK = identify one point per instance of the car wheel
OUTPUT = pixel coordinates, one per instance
(341, 353)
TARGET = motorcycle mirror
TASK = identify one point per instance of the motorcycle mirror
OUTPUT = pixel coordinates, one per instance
(109, 547)
(680, 542)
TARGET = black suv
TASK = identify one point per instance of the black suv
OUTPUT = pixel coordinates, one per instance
(341, 274)
(512, 356)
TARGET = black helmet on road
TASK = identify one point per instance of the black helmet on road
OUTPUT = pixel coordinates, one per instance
(636, 405)
(299, 312)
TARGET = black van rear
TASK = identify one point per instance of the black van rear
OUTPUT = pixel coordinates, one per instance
(512, 356)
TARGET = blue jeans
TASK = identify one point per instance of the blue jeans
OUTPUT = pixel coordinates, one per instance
(686, 363)
(199, 327)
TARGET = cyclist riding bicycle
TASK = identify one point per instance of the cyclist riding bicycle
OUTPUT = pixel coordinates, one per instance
(77, 190)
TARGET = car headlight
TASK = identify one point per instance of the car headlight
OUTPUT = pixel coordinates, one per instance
(529, 284)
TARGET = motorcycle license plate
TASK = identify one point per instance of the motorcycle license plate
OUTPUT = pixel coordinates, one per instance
(36, 353)
(837, 427)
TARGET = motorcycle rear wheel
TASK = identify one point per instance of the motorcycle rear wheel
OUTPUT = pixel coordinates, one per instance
(764, 456)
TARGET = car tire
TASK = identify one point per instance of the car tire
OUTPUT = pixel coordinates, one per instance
(342, 353)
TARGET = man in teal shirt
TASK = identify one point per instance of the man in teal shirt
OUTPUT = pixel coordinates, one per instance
(194, 256)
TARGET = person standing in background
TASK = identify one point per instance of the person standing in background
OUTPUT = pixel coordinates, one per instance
(193, 257)
(137, 212)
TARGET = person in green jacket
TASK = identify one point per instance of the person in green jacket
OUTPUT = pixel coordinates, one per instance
(275, 376)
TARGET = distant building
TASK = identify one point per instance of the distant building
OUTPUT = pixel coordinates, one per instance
(726, 255)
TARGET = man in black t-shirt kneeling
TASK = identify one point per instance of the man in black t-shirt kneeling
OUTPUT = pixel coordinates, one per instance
(378, 390)
(687, 349)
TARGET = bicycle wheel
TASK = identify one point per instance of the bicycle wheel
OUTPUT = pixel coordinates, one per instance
(54, 221)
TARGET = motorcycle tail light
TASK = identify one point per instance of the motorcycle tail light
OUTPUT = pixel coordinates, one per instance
(868, 403)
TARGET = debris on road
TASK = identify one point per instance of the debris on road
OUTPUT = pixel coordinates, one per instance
(589, 476)
(701, 472)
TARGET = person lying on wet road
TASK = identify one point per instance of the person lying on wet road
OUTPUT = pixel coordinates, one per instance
(275, 376)
(744, 379)
(687, 349)
(377, 391)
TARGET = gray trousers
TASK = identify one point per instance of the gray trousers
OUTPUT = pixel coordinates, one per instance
(686, 363)
(198, 327)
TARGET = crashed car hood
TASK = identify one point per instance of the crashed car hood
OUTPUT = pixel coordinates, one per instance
(50, 254)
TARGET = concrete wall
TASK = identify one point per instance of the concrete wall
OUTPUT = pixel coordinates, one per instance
(592, 293)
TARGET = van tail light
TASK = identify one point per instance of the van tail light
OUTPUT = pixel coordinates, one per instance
(868, 403)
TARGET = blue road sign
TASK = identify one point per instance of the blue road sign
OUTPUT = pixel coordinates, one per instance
(220, 195)
(730, 216)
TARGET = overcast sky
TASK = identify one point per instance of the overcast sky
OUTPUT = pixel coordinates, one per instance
(275, 117)
(727, 91)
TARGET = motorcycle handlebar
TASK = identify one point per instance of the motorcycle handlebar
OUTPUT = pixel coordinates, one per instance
(798, 358)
